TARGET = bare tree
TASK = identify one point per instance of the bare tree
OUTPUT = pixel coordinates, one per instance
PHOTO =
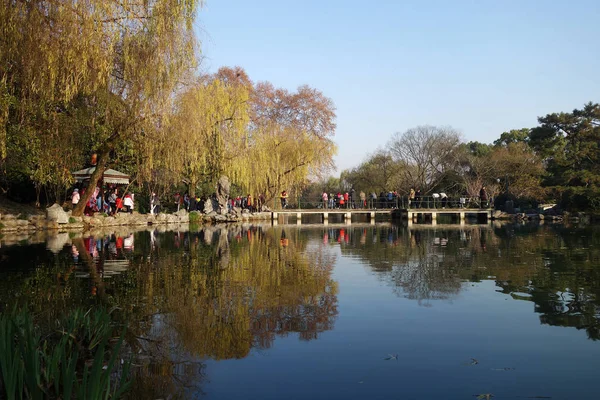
(425, 154)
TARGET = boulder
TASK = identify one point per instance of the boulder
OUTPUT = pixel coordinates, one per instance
(223, 187)
(9, 225)
(208, 207)
(182, 214)
(220, 218)
(57, 214)
(9, 217)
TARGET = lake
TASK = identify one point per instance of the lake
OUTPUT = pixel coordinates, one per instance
(361, 311)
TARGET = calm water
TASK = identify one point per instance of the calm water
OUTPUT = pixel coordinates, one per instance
(337, 312)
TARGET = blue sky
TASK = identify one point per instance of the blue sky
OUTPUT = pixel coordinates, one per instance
(482, 67)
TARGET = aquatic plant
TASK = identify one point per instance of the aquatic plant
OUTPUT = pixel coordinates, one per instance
(79, 358)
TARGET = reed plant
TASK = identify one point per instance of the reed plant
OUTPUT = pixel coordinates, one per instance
(78, 357)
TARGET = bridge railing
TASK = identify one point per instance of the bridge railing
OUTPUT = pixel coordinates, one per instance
(401, 202)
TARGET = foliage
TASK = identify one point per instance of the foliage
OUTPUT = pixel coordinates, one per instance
(83, 77)
(75, 360)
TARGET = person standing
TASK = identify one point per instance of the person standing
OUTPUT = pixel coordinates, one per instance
(177, 199)
(250, 202)
(283, 198)
(325, 199)
(75, 197)
(346, 199)
(352, 197)
(418, 198)
(411, 197)
(112, 200)
(128, 203)
(155, 203)
(483, 197)
(186, 201)
(363, 199)
(444, 198)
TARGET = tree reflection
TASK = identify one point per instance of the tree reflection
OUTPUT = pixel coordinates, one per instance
(186, 296)
(555, 267)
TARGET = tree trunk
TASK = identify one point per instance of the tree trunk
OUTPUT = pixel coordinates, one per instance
(100, 168)
(192, 188)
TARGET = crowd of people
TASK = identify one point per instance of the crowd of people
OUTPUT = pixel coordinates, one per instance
(106, 201)
(391, 199)
(110, 202)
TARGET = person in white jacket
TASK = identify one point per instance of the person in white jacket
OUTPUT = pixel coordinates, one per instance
(75, 197)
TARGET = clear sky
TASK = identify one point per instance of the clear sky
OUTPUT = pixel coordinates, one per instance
(480, 66)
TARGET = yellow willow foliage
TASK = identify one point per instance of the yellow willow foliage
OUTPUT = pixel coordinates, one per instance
(207, 136)
(60, 48)
(121, 60)
(283, 159)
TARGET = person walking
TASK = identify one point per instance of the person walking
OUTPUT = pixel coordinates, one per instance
(283, 198)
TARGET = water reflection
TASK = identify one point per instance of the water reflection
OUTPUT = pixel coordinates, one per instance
(214, 293)
(221, 292)
(554, 267)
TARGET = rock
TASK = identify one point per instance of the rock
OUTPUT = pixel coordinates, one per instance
(223, 187)
(208, 207)
(9, 217)
(182, 213)
(220, 218)
(211, 214)
(57, 214)
(9, 225)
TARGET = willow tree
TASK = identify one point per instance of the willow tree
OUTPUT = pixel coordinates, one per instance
(291, 137)
(121, 60)
(208, 133)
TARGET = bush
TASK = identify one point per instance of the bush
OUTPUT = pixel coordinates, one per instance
(581, 199)
(72, 220)
(194, 218)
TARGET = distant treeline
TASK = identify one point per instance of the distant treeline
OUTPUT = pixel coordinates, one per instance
(557, 161)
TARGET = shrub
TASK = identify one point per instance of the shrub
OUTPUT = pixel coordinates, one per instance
(194, 218)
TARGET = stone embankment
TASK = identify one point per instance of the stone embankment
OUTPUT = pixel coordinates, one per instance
(58, 219)
(548, 216)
